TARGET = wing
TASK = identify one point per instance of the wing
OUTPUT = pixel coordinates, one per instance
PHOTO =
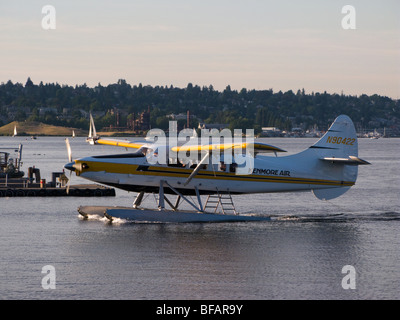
(258, 147)
(120, 143)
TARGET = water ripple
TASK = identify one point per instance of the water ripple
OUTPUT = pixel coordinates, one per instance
(338, 217)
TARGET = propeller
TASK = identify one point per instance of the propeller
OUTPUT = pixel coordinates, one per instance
(68, 150)
(73, 166)
(69, 166)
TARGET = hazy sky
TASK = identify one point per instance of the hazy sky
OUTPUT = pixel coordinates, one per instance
(253, 44)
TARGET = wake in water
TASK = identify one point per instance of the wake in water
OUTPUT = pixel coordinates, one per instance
(96, 217)
(338, 217)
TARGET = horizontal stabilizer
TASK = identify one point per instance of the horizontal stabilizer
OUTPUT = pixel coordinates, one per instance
(351, 160)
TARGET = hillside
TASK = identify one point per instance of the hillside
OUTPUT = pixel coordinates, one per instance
(32, 128)
(120, 107)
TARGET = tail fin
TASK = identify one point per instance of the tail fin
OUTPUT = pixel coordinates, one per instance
(338, 152)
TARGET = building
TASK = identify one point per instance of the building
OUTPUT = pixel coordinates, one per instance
(218, 126)
(270, 132)
(139, 123)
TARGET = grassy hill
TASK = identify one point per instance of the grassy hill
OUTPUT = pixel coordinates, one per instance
(38, 129)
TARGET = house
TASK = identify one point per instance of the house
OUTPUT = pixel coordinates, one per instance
(271, 132)
(218, 126)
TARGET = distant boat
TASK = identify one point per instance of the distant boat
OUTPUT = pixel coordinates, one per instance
(15, 131)
(73, 133)
(33, 137)
(375, 135)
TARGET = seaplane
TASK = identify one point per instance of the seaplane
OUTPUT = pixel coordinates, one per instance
(217, 168)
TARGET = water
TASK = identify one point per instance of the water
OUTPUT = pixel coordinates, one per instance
(298, 255)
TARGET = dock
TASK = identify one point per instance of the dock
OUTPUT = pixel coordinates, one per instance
(22, 187)
(14, 184)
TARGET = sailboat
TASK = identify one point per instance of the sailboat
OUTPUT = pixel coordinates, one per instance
(15, 131)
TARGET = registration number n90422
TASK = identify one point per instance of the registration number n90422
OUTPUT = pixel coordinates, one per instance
(340, 140)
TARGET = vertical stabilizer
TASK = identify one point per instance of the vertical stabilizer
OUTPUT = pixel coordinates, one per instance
(340, 140)
(338, 152)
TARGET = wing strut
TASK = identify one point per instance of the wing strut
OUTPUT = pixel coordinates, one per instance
(196, 170)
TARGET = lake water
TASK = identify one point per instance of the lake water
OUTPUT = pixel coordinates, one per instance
(298, 255)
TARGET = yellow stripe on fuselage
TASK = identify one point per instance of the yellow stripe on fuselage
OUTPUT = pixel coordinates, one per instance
(134, 169)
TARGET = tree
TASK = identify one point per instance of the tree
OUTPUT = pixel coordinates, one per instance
(29, 83)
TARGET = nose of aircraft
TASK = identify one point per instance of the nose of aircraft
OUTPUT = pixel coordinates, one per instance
(70, 166)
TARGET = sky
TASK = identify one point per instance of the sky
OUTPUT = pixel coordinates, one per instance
(253, 44)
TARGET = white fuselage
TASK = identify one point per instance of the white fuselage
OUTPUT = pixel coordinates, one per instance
(299, 172)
